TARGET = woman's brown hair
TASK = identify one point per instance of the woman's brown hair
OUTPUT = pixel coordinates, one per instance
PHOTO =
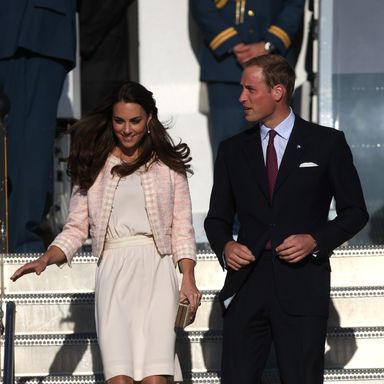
(93, 140)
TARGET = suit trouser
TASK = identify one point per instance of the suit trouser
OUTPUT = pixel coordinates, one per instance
(226, 115)
(255, 319)
(33, 84)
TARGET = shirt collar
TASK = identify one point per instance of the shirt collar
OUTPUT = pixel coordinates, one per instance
(284, 129)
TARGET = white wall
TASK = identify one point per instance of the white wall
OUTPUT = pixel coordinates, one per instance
(169, 68)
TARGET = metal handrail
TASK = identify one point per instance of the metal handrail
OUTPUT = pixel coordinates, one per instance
(9, 348)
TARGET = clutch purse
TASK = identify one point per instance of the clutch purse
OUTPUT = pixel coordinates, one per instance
(183, 316)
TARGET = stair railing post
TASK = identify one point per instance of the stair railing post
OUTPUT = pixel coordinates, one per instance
(9, 349)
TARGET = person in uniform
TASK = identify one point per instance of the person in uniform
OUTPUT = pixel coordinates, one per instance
(37, 49)
(234, 31)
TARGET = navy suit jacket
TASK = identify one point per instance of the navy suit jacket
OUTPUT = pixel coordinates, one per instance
(44, 27)
(223, 24)
(317, 165)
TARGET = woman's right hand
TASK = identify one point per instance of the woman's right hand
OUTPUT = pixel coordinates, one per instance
(54, 255)
(38, 266)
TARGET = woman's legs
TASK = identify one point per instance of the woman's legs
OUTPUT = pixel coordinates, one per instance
(121, 379)
(155, 380)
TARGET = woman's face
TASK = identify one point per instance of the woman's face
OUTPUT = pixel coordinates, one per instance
(129, 121)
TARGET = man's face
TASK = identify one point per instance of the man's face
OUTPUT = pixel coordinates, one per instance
(257, 98)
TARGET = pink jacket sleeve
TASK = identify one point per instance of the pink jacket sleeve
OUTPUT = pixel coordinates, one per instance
(75, 230)
(183, 235)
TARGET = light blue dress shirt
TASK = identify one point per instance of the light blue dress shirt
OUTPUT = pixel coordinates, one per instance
(283, 130)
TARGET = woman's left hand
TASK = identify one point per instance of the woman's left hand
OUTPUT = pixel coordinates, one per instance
(189, 292)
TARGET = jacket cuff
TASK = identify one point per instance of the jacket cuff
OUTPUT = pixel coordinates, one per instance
(279, 38)
(224, 42)
(184, 251)
(65, 247)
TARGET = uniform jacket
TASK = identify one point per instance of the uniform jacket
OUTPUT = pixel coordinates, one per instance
(317, 165)
(225, 23)
(44, 27)
(167, 202)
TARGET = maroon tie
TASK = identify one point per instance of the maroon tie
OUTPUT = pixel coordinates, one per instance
(272, 168)
(271, 163)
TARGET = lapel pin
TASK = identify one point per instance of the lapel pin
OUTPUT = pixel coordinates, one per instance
(298, 146)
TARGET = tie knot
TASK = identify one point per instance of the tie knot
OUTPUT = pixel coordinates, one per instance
(272, 134)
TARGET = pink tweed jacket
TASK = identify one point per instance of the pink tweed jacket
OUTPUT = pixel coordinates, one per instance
(167, 202)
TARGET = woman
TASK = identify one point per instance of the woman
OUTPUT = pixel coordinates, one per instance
(131, 192)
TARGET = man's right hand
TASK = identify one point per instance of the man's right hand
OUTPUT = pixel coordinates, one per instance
(237, 255)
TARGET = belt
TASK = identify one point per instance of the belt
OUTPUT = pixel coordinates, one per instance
(130, 241)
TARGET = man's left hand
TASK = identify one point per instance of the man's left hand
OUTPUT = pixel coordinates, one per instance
(295, 247)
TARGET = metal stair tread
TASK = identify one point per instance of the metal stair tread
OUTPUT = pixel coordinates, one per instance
(60, 297)
(202, 254)
(352, 295)
(190, 336)
(213, 377)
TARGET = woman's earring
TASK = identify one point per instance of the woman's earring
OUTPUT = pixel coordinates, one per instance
(148, 130)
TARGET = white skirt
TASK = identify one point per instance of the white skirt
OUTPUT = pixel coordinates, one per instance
(136, 302)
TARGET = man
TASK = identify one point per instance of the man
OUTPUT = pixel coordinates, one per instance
(37, 49)
(234, 31)
(280, 186)
(104, 54)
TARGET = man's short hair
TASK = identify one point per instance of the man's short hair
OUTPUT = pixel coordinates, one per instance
(276, 70)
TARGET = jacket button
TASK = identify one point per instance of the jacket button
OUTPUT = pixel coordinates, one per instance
(251, 13)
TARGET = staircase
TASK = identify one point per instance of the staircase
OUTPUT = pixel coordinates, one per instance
(55, 331)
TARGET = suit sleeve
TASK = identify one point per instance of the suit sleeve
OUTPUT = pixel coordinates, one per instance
(286, 25)
(219, 221)
(351, 210)
(220, 35)
(75, 230)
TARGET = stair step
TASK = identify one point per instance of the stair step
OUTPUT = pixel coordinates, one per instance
(74, 312)
(55, 321)
(60, 379)
(351, 266)
(79, 278)
(39, 355)
(53, 312)
(349, 307)
(344, 376)
(356, 306)
(357, 266)
(334, 376)
(355, 348)
(79, 354)
(354, 376)
(346, 348)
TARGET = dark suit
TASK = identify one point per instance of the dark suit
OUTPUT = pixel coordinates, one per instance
(37, 49)
(317, 166)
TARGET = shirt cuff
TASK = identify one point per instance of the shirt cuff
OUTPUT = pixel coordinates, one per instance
(315, 253)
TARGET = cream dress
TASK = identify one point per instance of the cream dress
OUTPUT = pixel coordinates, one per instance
(136, 293)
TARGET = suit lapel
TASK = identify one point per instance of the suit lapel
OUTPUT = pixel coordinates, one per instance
(254, 154)
(293, 152)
